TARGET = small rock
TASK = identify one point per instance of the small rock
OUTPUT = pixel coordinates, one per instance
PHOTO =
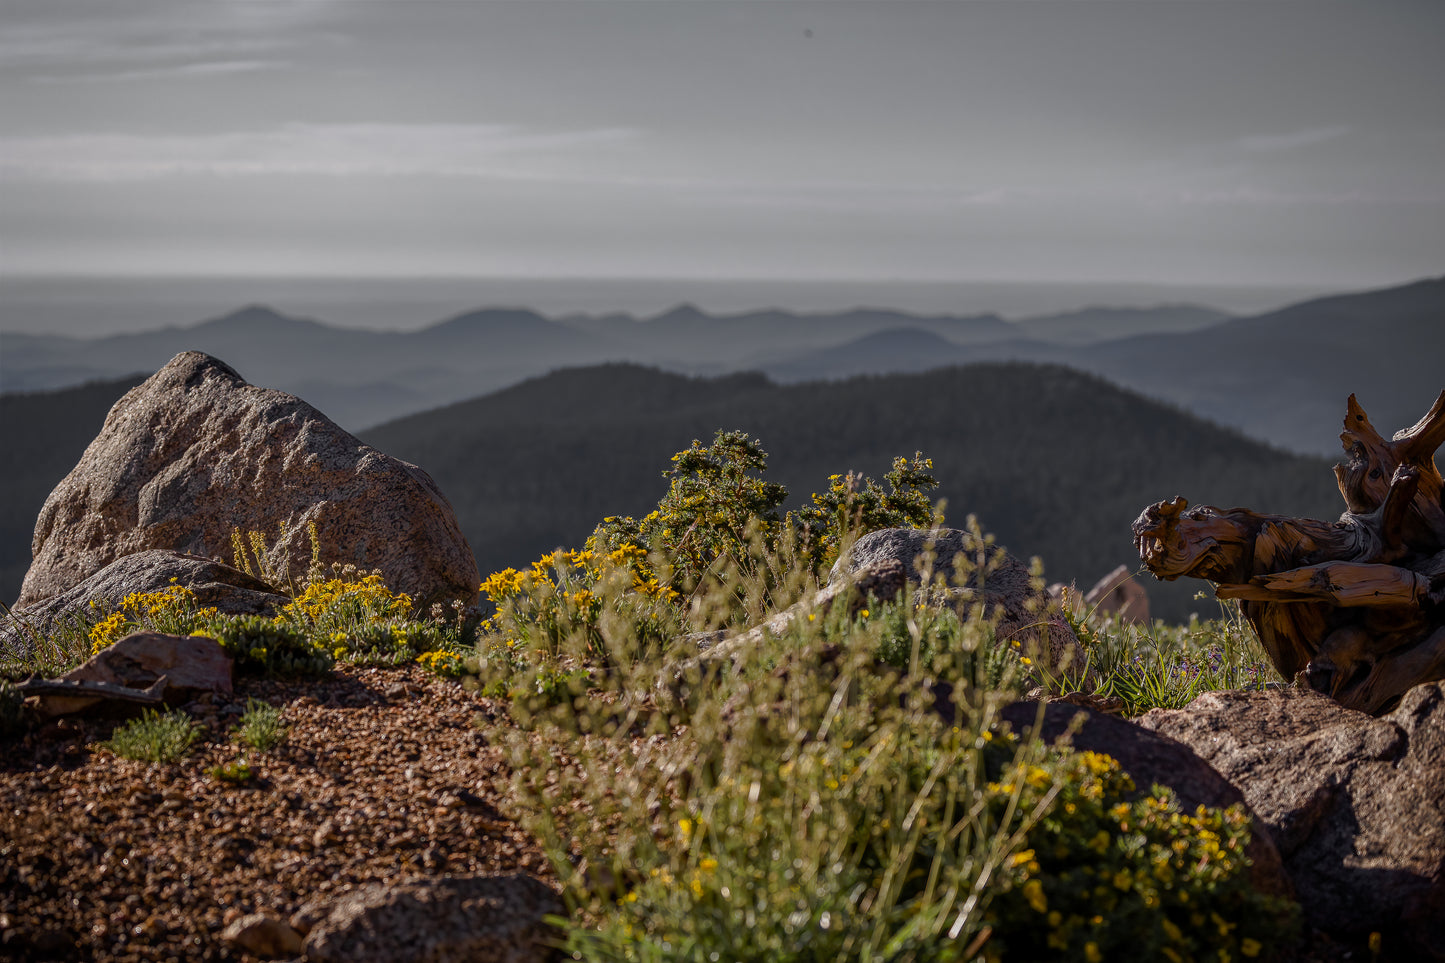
(1121, 595)
(265, 935)
(449, 920)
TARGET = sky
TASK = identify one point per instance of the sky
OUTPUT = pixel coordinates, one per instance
(1243, 142)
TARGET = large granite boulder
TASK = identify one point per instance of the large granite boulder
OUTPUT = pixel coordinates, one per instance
(195, 452)
(450, 920)
(1355, 804)
(215, 585)
(969, 567)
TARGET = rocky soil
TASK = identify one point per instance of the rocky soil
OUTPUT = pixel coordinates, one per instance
(386, 774)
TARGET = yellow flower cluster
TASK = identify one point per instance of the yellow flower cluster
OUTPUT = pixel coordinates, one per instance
(172, 609)
(327, 601)
(441, 662)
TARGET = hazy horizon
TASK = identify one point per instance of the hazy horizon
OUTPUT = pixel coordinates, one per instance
(1189, 142)
(82, 306)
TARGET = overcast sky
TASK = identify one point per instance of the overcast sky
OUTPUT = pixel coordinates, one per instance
(1172, 141)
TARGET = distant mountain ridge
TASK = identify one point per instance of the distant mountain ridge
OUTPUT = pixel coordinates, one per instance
(469, 354)
(1280, 376)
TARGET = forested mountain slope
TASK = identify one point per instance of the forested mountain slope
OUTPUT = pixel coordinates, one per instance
(1054, 462)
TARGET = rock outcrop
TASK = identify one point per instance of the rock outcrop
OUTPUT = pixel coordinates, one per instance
(449, 920)
(215, 585)
(970, 568)
(195, 452)
(1355, 804)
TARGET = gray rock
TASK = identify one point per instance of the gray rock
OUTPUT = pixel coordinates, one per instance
(1355, 804)
(265, 935)
(195, 452)
(969, 567)
(1150, 758)
(215, 584)
(449, 920)
(1121, 595)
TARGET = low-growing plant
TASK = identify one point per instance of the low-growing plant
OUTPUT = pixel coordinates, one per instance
(261, 646)
(1165, 667)
(237, 772)
(154, 737)
(1110, 875)
(260, 726)
(56, 651)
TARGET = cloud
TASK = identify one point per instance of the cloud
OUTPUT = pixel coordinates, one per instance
(1274, 143)
(61, 42)
(475, 150)
(182, 71)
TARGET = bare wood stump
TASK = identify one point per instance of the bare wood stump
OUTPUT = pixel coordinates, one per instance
(1354, 608)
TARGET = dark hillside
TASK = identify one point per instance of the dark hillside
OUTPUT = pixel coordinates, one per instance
(1054, 462)
(45, 433)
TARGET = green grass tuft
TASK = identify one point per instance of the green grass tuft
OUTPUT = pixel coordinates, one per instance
(154, 737)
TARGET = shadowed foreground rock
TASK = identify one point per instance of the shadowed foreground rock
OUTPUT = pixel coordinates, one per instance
(1355, 804)
(195, 452)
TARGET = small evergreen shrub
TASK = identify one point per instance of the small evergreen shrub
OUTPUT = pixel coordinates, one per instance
(154, 737)
(717, 503)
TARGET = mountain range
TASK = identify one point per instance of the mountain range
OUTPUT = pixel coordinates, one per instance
(1281, 376)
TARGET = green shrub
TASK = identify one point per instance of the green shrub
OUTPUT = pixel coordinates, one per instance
(714, 553)
(717, 504)
(854, 505)
(807, 807)
(154, 737)
(260, 726)
(1107, 876)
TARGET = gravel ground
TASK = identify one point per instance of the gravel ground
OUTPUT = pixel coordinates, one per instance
(385, 774)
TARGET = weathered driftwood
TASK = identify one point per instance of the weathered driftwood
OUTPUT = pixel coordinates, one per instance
(61, 696)
(1354, 608)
